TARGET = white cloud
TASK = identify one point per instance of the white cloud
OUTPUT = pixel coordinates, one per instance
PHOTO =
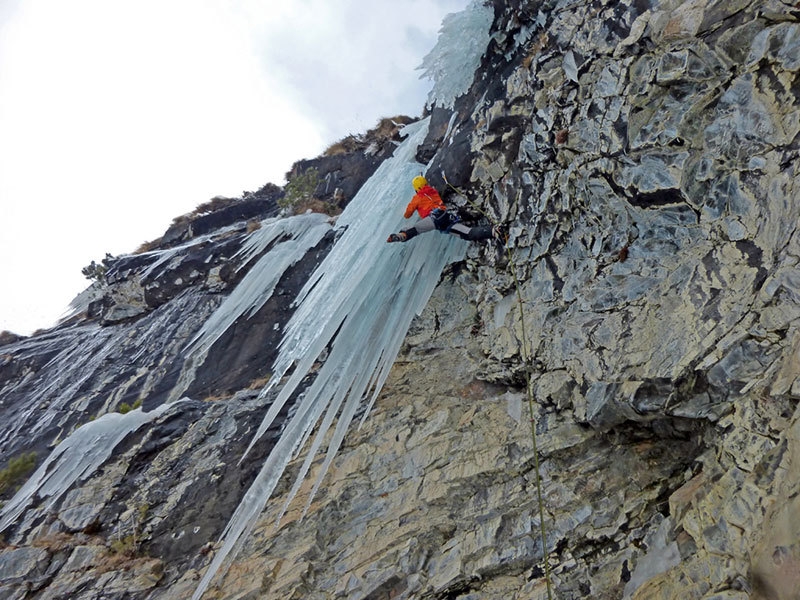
(344, 60)
(117, 117)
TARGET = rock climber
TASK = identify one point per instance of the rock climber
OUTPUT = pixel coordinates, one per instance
(435, 215)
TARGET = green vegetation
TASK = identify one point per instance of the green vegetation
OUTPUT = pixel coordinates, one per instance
(97, 272)
(125, 408)
(300, 189)
(17, 471)
(125, 545)
(129, 544)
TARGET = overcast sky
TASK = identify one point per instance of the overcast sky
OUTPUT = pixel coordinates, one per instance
(116, 117)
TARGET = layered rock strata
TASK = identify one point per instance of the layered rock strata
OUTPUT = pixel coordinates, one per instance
(642, 156)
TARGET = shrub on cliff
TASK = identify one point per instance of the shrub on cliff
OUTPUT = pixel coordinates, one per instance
(9, 337)
(125, 408)
(97, 272)
(17, 470)
(300, 189)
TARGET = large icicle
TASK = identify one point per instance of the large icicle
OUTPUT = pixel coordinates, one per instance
(77, 457)
(452, 63)
(358, 304)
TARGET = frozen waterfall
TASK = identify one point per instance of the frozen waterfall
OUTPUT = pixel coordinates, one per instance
(357, 307)
(451, 64)
(355, 310)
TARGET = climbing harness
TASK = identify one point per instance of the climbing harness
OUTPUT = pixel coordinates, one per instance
(443, 219)
(527, 363)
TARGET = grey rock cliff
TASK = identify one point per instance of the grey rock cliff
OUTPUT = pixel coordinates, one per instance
(643, 156)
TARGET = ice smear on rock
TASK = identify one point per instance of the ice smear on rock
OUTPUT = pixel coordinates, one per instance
(303, 233)
(161, 259)
(356, 307)
(463, 38)
(77, 457)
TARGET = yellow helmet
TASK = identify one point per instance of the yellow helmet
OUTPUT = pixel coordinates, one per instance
(418, 182)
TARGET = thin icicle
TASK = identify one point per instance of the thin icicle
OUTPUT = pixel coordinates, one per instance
(256, 288)
(164, 256)
(330, 415)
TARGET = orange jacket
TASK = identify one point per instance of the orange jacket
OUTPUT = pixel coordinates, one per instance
(424, 202)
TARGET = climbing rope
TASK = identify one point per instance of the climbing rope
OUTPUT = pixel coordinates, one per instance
(526, 359)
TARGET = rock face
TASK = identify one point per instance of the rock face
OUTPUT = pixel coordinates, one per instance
(642, 155)
(347, 164)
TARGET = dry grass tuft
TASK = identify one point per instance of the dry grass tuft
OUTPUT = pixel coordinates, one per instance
(346, 145)
(259, 383)
(216, 203)
(147, 247)
(386, 129)
(316, 205)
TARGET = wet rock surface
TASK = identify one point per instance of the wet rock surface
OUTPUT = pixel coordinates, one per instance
(643, 157)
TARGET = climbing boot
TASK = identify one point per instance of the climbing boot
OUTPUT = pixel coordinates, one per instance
(397, 237)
